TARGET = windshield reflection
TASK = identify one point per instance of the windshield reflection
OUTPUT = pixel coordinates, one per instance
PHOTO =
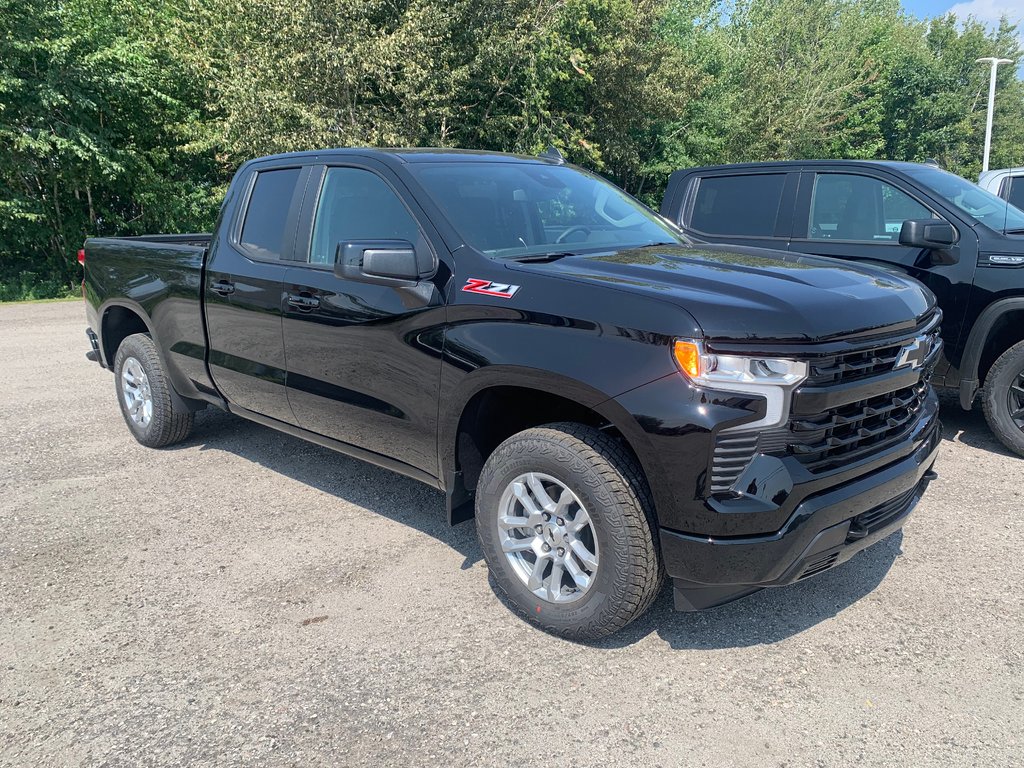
(981, 205)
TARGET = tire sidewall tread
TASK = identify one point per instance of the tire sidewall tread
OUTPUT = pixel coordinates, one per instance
(994, 404)
(609, 483)
(168, 425)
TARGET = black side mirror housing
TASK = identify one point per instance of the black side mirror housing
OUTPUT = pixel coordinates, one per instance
(385, 262)
(933, 235)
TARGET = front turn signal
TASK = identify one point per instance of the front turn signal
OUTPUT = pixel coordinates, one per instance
(688, 357)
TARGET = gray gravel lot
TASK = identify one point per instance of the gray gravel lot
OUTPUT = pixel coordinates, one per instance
(251, 598)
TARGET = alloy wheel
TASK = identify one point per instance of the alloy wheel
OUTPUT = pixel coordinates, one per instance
(548, 537)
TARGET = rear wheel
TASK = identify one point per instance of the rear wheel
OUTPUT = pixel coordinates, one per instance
(1003, 398)
(567, 528)
(144, 394)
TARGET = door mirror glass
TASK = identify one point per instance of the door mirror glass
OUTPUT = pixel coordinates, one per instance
(380, 261)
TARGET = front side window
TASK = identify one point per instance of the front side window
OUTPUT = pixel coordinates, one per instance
(356, 204)
(513, 210)
(847, 206)
(745, 205)
(266, 216)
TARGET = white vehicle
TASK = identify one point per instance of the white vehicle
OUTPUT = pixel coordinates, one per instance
(1008, 183)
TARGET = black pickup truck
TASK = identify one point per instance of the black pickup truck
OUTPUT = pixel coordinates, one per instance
(964, 243)
(609, 400)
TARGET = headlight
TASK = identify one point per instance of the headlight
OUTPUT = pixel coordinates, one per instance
(773, 378)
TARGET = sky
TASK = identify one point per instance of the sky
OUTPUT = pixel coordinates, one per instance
(987, 11)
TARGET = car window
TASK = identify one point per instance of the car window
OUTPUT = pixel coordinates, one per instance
(356, 204)
(738, 205)
(852, 207)
(981, 205)
(266, 216)
(515, 210)
(1015, 195)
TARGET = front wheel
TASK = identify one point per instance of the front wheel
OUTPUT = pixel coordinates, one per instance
(144, 394)
(1003, 398)
(567, 529)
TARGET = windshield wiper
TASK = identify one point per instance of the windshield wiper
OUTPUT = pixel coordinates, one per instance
(541, 258)
(1017, 231)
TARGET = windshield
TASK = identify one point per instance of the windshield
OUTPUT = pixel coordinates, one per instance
(976, 202)
(516, 210)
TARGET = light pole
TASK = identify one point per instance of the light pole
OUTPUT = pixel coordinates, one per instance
(991, 102)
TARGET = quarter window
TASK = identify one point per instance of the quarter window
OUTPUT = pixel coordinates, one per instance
(263, 231)
(357, 205)
(850, 207)
(745, 205)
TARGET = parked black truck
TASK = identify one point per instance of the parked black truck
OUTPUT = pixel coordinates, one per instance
(964, 243)
(609, 400)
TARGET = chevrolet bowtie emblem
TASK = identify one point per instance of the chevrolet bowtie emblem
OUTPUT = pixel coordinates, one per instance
(914, 354)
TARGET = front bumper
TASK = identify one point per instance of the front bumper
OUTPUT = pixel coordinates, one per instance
(825, 530)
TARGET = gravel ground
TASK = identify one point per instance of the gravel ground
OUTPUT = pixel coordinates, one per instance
(251, 598)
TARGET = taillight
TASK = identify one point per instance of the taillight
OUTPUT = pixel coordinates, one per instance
(81, 256)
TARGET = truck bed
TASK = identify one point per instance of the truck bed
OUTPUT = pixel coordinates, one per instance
(163, 276)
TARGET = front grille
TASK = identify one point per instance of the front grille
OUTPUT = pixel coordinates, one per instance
(842, 435)
(861, 364)
(850, 432)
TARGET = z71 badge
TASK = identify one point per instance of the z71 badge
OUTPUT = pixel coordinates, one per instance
(487, 288)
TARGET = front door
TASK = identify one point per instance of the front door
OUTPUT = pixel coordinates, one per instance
(363, 359)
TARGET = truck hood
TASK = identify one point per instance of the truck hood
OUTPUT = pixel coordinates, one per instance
(752, 293)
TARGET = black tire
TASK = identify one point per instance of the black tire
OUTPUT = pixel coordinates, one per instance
(1003, 398)
(168, 425)
(608, 482)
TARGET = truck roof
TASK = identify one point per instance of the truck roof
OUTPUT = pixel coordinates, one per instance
(412, 155)
(895, 165)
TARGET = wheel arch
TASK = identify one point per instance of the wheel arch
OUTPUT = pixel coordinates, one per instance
(503, 400)
(119, 320)
(993, 333)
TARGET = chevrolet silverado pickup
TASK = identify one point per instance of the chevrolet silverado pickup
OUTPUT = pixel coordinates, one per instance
(611, 402)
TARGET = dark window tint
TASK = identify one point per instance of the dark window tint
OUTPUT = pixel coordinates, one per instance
(1016, 194)
(738, 205)
(357, 205)
(263, 230)
(850, 207)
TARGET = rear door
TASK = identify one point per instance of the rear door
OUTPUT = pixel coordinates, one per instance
(364, 359)
(245, 291)
(738, 206)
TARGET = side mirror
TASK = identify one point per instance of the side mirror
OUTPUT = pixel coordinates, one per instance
(933, 235)
(927, 233)
(386, 262)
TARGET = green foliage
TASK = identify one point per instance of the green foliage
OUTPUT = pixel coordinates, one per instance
(124, 116)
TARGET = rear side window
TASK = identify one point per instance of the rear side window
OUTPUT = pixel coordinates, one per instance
(263, 231)
(738, 205)
(357, 205)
